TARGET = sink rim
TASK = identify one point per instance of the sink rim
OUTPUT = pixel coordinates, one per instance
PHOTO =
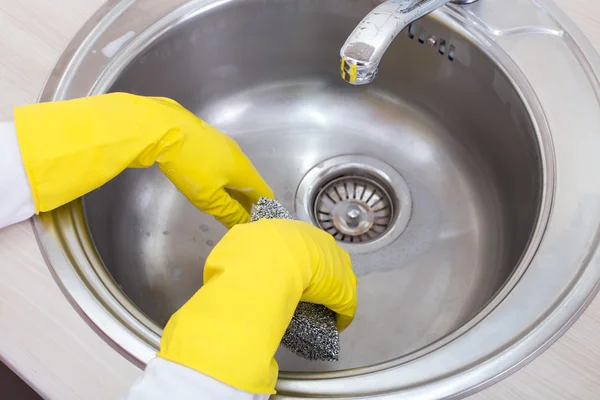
(50, 228)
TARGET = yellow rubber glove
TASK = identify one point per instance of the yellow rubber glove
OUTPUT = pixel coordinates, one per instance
(253, 281)
(72, 147)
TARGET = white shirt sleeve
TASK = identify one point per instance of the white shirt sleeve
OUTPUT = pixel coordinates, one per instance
(166, 380)
(16, 201)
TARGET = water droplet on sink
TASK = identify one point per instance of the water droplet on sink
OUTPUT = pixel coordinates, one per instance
(176, 273)
(204, 228)
(210, 243)
(148, 234)
(165, 233)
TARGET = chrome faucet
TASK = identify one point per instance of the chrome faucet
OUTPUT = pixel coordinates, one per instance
(364, 48)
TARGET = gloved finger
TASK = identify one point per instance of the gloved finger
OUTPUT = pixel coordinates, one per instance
(225, 209)
(333, 283)
(240, 197)
(246, 179)
(253, 187)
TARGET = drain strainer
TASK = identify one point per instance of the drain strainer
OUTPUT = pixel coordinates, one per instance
(362, 202)
(354, 209)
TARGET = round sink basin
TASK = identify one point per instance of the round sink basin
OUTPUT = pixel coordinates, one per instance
(458, 135)
(452, 180)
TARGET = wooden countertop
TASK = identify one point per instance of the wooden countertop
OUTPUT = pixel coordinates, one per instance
(46, 342)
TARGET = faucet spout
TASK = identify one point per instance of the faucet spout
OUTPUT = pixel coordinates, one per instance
(364, 48)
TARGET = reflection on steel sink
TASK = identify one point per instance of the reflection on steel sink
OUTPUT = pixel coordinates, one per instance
(458, 179)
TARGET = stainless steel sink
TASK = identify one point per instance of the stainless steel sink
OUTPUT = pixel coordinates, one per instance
(459, 180)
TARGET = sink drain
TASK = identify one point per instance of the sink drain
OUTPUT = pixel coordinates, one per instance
(354, 209)
(362, 202)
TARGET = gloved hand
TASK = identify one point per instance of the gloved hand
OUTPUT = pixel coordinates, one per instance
(253, 281)
(72, 147)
